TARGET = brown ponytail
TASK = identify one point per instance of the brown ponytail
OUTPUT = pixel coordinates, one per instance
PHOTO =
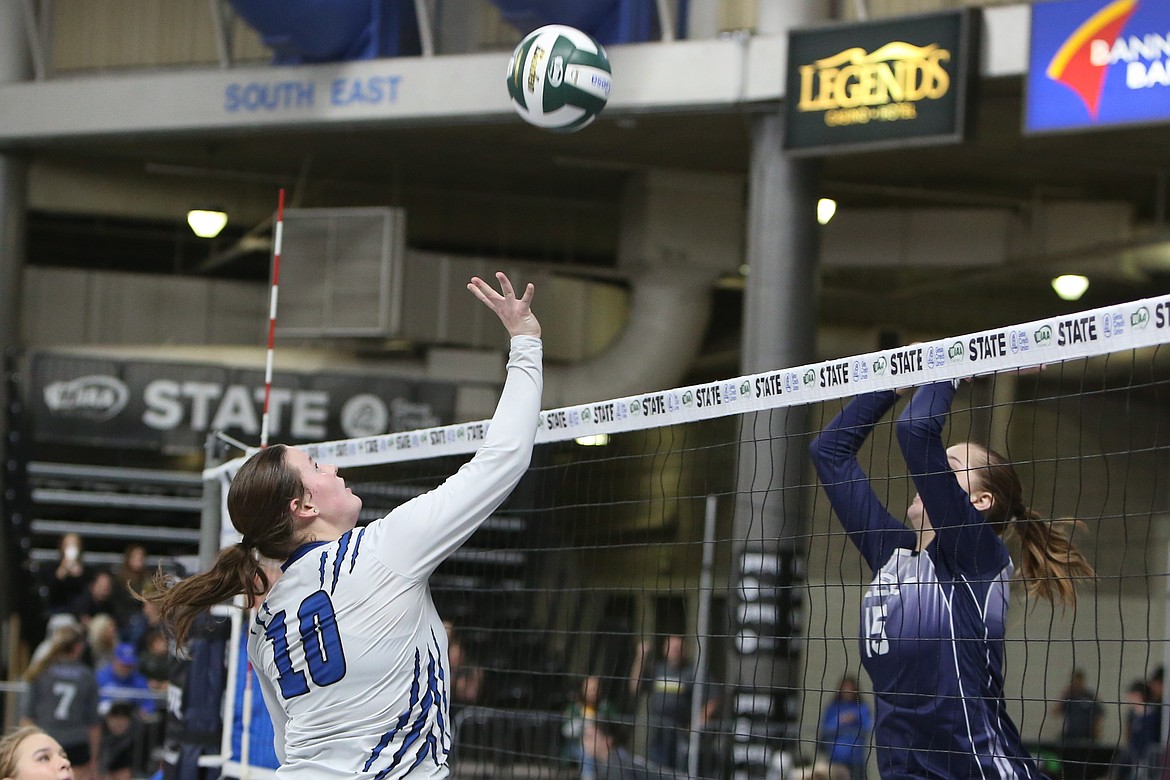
(259, 503)
(1050, 564)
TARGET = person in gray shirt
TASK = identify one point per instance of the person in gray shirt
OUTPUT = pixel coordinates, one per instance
(604, 741)
(62, 698)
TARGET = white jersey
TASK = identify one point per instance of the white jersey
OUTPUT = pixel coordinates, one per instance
(348, 647)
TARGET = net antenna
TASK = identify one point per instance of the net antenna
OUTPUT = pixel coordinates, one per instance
(246, 715)
(279, 234)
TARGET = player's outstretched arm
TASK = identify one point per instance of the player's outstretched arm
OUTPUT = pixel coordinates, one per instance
(417, 536)
(514, 312)
(870, 526)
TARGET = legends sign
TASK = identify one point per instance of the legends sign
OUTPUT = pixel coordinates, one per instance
(853, 87)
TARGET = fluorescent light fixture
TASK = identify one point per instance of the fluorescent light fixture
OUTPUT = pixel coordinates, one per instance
(1070, 287)
(826, 208)
(596, 440)
(206, 223)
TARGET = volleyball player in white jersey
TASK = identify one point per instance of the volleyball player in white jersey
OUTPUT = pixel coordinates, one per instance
(348, 647)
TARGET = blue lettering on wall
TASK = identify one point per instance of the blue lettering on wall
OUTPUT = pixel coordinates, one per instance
(268, 96)
(369, 91)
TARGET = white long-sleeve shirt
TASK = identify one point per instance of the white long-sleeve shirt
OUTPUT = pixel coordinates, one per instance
(348, 647)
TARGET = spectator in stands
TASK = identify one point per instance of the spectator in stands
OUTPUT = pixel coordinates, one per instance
(1081, 711)
(466, 676)
(62, 699)
(30, 754)
(66, 581)
(96, 599)
(103, 638)
(58, 622)
(145, 621)
(130, 577)
(155, 659)
(587, 705)
(121, 732)
(605, 744)
(845, 728)
(670, 685)
(1135, 727)
(1155, 697)
(120, 680)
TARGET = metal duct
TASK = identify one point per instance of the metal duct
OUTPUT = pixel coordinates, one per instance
(669, 312)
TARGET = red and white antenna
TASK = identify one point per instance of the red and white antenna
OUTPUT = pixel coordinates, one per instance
(279, 235)
(246, 714)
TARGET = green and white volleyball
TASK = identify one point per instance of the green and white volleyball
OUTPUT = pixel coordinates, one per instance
(559, 78)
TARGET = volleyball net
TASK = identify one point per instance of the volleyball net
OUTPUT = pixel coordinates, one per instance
(694, 512)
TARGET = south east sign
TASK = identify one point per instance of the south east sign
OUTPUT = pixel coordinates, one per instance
(856, 87)
(1098, 63)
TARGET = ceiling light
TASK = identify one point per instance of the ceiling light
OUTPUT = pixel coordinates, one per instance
(596, 440)
(826, 208)
(206, 223)
(1070, 287)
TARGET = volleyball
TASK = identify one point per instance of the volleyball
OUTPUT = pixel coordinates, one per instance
(559, 78)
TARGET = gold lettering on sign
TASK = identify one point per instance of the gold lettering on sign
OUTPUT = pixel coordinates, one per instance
(856, 87)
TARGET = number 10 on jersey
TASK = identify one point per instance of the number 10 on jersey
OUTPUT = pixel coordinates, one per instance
(321, 642)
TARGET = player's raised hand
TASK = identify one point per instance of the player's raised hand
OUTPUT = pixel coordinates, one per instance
(514, 312)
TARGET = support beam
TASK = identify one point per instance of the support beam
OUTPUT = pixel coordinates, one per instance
(35, 37)
(221, 21)
(426, 32)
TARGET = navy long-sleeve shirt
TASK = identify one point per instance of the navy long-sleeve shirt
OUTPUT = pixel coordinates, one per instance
(932, 624)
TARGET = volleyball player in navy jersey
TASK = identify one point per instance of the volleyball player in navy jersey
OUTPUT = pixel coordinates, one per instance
(349, 650)
(932, 630)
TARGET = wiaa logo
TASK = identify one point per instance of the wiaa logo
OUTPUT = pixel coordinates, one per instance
(879, 366)
(1140, 318)
(1043, 336)
(96, 397)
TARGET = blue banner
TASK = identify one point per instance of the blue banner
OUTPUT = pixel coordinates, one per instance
(1098, 63)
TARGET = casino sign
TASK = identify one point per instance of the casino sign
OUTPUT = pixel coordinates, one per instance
(863, 86)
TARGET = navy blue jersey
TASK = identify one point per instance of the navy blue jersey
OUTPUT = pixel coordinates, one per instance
(932, 623)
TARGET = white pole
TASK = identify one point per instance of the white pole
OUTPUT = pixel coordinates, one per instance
(229, 698)
(702, 629)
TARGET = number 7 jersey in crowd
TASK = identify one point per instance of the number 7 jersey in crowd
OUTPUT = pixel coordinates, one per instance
(348, 647)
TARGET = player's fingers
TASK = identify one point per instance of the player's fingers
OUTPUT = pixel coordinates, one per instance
(505, 284)
(476, 286)
(486, 288)
(529, 291)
